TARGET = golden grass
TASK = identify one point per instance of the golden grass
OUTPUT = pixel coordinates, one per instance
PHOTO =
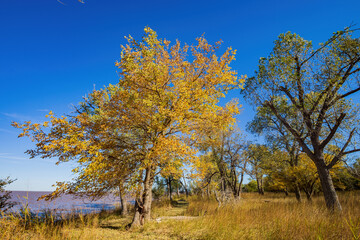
(273, 217)
(254, 217)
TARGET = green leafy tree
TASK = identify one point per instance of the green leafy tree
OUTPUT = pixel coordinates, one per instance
(251, 186)
(258, 157)
(315, 85)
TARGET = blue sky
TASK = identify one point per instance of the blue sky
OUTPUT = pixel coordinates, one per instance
(52, 53)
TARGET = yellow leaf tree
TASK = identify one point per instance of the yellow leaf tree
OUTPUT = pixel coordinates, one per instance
(147, 123)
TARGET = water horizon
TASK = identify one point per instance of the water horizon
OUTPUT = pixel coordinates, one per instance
(66, 203)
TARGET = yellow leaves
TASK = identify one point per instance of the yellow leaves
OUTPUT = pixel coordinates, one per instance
(50, 115)
(202, 166)
(166, 42)
(164, 99)
(27, 128)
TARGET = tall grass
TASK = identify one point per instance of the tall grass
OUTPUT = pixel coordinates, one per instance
(271, 216)
(26, 224)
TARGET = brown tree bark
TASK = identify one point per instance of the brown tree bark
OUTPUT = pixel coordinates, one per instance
(169, 180)
(185, 187)
(297, 193)
(260, 188)
(331, 198)
(136, 222)
(208, 192)
(124, 208)
(240, 184)
(286, 192)
(308, 196)
(309, 190)
(143, 205)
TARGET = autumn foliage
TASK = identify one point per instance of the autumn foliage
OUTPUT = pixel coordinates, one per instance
(125, 134)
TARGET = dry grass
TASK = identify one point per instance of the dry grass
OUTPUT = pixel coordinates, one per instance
(273, 217)
(254, 217)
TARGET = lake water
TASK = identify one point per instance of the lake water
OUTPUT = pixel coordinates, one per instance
(63, 204)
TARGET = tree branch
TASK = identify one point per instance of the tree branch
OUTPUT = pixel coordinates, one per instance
(342, 151)
(333, 131)
(287, 92)
(352, 151)
(347, 94)
(292, 130)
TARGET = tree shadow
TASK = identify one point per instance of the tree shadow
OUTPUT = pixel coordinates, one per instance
(113, 227)
(179, 203)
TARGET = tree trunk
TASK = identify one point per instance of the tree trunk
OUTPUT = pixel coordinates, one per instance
(218, 198)
(137, 219)
(124, 209)
(286, 192)
(240, 185)
(185, 187)
(259, 186)
(186, 191)
(143, 206)
(147, 198)
(309, 190)
(331, 198)
(297, 193)
(308, 196)
(169, 188)
(208, 192)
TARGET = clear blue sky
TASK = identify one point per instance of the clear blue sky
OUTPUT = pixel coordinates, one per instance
(52, 53)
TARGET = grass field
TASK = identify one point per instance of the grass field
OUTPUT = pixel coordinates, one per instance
(271, 216)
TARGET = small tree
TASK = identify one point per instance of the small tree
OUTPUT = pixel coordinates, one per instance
(5, 196)
(251, 186)
(258, 156)
(223, 149)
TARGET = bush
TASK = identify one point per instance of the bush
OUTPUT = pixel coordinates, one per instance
(5, 196)
(251, 186)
